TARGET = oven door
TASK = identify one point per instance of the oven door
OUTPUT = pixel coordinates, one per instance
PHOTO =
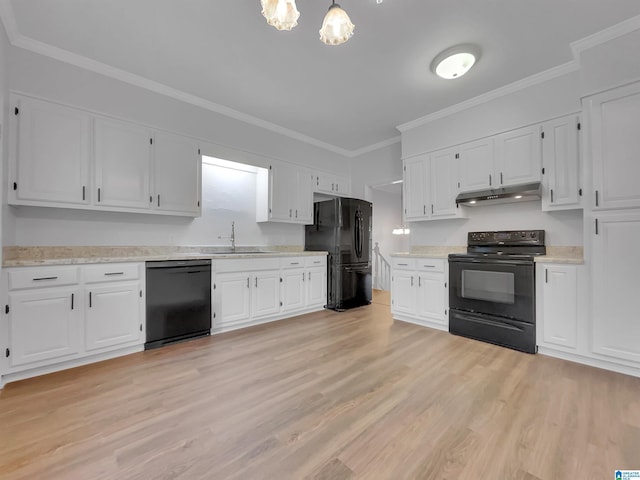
(497, 287)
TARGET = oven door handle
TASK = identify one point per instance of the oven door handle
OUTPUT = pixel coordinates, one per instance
(486, 321)
(493, 261)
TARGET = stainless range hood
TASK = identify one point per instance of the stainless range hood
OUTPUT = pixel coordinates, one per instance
(515, 193)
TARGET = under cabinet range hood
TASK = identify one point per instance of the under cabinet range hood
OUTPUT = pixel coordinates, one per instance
(515, 193)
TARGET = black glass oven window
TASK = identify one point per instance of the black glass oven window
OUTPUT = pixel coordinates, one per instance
(489, 286)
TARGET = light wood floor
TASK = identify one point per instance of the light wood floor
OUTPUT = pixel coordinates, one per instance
(324, 396)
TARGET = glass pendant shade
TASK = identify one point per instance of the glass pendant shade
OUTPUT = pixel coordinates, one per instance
(281, 14)
(336, 27)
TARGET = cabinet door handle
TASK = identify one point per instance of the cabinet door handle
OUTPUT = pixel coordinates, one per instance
(551, 195)
(309, 276)
(72, 300)
(424, 209)
(332, 187)
(296, 213)
(597, 201)
(546, 275)
(412, 280)
(403, 264)
(248, 282)
(44, 278)
(429, 266)
(98, 193)
(113, 273)
(256, 282)
(84, 192)
(289, 213)
(317, 181)
(489, 179)
(419, 281)
(501, 178)
(432, 209)
(90, 303)
(596, 226)
(158, 199)
(303, 276)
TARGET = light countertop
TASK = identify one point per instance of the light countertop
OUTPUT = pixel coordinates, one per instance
(35, 256)
(568, 255)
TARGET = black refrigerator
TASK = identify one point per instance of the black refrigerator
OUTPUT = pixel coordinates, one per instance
(342, 227)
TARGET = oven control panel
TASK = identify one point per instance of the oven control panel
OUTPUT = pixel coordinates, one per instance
(508, 237)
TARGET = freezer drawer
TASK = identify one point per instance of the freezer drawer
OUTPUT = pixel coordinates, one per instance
(349, 286)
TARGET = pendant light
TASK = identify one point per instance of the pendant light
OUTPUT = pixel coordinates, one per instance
(281, 14)
(336, 27)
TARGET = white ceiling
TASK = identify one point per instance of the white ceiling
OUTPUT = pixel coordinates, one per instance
(346, 98)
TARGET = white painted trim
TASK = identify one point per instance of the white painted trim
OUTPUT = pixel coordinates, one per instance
(373, 147)
(527, 82)
(591, 362)
(623, 28)
(9, 20)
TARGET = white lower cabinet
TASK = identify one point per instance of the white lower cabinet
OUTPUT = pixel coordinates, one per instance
(44, 325)
(252, 291)
(61, 316)
(419, 290)
(557, 307)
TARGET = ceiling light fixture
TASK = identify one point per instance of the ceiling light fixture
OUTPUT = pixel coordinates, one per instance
(336, 27)
(454, 62)
(281, 14)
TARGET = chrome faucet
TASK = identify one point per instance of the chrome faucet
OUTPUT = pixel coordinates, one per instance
(232, 237)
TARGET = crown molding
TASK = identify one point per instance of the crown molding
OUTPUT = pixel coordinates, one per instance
(623, 28)
(374, 147)
(516, 86)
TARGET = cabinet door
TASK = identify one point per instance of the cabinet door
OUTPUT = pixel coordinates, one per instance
(560, 305)
(122, 163)
(614, 118)
(561, 160)
(281, 181)
(415, 188)
(52, 154)
(265, 297)
(177, 166)
(113, 315)
(317, 287)
(403, 293)
(431, 294)
(303, 207)
(444, 184)
(231, 295)
(293, 289)
(616, 285)
(325, 183)
(518, 157)
(44, 324)
(476, 165)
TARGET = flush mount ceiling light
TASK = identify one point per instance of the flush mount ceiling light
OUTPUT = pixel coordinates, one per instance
(455, 61)
(337, 27)
(283, 15)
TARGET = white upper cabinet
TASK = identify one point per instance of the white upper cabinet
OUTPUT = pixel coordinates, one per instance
(518, 157)
(332, 184)
(614, 117)
(476, 165)
(65, 157)
(284, 195)
(444, 183)
(430, 186)
(561, 164)
(122, 164)
(177, 171)
(51, 150)
(415, 188)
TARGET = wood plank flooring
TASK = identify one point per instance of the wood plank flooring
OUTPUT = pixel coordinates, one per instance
(349, 395)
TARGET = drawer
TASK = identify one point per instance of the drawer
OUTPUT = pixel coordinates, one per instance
(399, 263)
(111, 272)
(39, 277)
(315, 261)
(293, 262)
(430, 264)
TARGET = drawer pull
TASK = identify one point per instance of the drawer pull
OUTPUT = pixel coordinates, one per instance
(318, 261)
(114, 273)
(429, 266)
(44, 278)
(403, 264)
(294, 263)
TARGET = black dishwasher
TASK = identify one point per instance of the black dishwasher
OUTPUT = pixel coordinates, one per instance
(178, 301)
